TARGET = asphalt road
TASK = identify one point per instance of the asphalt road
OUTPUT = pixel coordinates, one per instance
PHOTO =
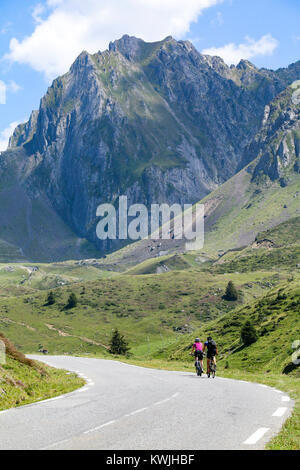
(124, 407)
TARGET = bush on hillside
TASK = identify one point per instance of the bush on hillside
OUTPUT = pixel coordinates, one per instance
(118, 344)
(72, 301)
(231, 293)
(249, 334)
(50, 299)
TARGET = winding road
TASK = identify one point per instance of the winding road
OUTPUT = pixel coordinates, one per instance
(124, 407)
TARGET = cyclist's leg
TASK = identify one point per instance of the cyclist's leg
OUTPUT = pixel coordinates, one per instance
(201, 360)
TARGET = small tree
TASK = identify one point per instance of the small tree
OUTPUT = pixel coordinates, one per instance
(231, 293)
(118, 344)
(249, 334)
(50, 299)
(72, 301)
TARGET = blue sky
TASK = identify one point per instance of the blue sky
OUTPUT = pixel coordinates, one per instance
(39, 39)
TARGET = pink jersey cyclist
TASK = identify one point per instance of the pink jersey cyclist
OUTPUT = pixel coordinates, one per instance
(198, 347)
(197, 350)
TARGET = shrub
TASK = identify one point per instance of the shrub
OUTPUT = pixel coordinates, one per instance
(50, 299)
(231, 293)
(118, 344)
(72, 301)
(248, 334)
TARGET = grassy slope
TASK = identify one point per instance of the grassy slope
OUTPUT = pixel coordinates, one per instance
(23, 381)
(158, 307)
(250, 209)
(25, 278)
(275, 249)
(276, 318)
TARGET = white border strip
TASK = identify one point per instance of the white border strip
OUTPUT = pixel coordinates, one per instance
(280, 412)
(259, 434)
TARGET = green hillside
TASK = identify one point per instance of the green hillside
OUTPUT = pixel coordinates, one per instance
(276, 249)
(158, 307)
(276, 319)
(282, 235)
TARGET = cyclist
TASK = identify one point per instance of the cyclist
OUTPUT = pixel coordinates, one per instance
(197, 351)
(212, 351)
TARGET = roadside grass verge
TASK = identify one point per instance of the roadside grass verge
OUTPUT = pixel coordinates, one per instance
(23, 381)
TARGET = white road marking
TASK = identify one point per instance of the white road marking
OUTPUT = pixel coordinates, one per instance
(162, 402)
(100, 427)
(53, 399)
(158, 403)
(285, 398)
(6, 411)
(256, 436)
(138, 411)
(56, 444)
(280, 412)
(49, 400)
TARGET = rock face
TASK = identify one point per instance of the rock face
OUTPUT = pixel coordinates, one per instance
(158, 122)
(277, 145)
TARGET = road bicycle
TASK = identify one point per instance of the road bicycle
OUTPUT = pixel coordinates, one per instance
(199, 370)
(212, 368)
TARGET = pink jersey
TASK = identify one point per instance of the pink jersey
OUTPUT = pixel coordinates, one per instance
(198, 346)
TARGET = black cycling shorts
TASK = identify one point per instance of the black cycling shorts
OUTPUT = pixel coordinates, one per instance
(211, 355)
(199, 355)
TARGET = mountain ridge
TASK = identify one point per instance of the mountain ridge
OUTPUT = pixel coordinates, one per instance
(158, 122)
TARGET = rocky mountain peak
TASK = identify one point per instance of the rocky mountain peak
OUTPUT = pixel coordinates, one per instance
(128, 46)
(245, 65)
(135, 49)
(83, 61)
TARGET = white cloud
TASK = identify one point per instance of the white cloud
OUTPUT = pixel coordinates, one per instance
(4, 88)
(13, 87)
(2, 92)
(37, 13)
(75, 25)
(233, 53)
(6, 134)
